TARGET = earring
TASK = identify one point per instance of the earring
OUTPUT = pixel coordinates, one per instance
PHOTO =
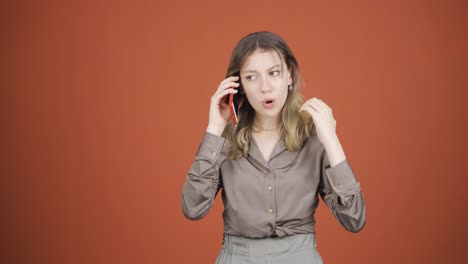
(290, 87)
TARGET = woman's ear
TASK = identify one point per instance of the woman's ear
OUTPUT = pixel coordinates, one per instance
(290, 81)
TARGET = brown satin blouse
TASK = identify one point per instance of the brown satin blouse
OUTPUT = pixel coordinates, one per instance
(273, 198)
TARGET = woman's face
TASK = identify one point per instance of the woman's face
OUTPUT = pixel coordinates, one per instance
(265, 82)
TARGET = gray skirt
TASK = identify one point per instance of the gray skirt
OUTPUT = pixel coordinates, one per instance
(294, 249)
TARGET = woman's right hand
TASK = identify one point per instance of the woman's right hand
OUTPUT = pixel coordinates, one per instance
(219, 109)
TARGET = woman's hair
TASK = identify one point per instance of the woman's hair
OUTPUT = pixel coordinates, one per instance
(295, 126)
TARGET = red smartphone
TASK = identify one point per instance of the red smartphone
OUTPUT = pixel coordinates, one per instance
(234, 108)
(233, 102)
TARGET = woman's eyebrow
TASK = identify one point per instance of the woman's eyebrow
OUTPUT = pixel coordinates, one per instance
(276, 65)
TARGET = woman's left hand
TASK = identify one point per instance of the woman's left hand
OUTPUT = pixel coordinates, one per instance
(322, 115)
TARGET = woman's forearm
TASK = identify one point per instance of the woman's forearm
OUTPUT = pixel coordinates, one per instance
(334, 150)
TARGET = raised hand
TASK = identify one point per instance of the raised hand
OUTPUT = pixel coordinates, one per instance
(322, 115)
(219, 109)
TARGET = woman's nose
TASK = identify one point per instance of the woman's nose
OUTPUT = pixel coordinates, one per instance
(265, 86)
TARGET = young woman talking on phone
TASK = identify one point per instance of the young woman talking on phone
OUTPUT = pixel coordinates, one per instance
(273, 164)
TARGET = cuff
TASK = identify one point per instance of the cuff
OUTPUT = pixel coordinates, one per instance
(211, 146)
(342, 178)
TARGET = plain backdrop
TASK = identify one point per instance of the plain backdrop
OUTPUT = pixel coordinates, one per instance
(104, 105)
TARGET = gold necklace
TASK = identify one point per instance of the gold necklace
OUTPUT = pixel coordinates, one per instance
(266, 129)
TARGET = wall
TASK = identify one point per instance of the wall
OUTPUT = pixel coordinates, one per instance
(105, 104)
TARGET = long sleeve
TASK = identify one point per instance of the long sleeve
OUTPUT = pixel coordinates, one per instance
(203, 179)
(341, 191)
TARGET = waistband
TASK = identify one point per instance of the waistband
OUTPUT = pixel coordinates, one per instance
(270, 245)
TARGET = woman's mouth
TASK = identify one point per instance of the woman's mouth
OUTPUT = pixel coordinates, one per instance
(268, 104)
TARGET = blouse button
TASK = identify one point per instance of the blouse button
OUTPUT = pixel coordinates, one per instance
(214, 154)
(270, 210)
(269, 188)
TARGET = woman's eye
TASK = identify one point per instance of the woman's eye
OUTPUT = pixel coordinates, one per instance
(249, 77)
(275, 72)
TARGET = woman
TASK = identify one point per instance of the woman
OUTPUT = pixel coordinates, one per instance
(273, 164)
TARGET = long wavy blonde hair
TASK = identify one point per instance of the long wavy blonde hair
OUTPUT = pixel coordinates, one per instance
(295, 127)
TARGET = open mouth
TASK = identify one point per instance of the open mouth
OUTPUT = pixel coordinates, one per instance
(270, 103)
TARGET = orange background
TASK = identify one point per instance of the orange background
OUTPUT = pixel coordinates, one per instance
(105, 104)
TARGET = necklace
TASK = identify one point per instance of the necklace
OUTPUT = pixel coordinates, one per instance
(266, 129)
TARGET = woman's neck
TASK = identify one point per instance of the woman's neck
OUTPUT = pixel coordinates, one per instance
(266, 123)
